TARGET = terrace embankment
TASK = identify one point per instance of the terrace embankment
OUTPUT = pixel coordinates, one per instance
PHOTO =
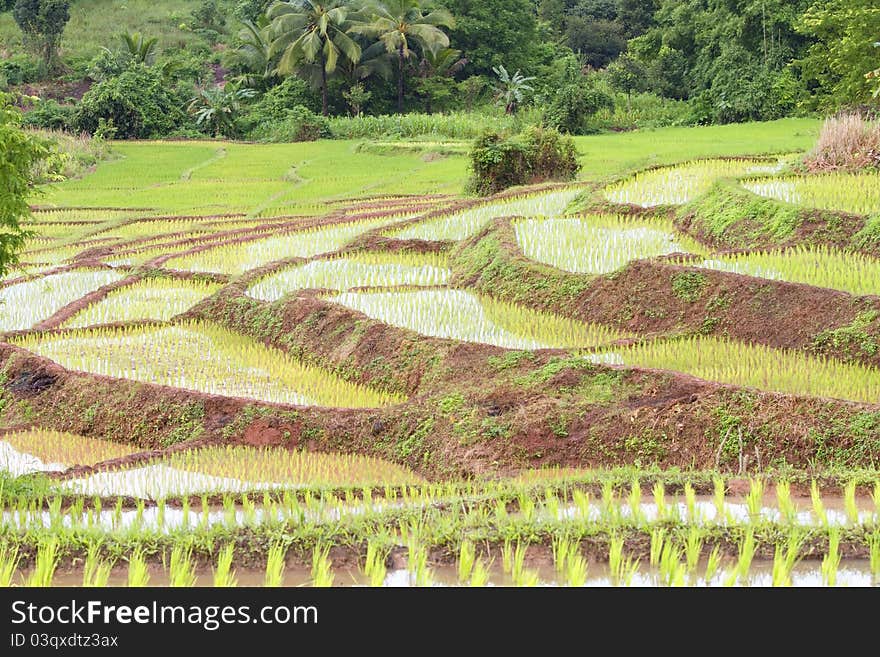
(731, 217)
(653, 297)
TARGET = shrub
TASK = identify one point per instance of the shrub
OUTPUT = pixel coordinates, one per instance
(573, 104)
(70, 156)
(50, 115)
(535, 155)
(275, 105)
(848, 142)
(298, 124)
(138, 101)
(20, 69)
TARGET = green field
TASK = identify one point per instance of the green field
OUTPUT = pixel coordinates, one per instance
(547, 386)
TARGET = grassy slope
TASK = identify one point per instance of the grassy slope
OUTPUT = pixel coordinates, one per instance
(609, 155)
(215, 177)
(95, 23)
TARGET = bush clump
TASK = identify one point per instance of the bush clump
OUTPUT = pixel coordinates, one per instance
(138, 103)
(536, 155)
(296, 124)
(848, 142)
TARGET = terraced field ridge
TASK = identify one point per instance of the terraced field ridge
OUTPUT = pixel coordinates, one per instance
(664, 373)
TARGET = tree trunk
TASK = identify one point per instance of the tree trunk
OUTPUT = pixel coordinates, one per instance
(324, 109)
(400, 80)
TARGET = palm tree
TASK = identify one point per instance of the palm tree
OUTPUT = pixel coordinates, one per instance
(440, 67)
(399, 24)
(138, 48)
(252, 54)
(216, 107)
(510, 91)
(309, 35)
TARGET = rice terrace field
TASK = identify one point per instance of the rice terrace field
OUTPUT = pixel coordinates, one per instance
(321, 364)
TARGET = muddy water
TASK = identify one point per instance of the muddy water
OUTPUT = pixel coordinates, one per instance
(806, 573)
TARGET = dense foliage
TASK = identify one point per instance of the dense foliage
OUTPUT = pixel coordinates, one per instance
(575, 65)
(20, 152)
(536, 155)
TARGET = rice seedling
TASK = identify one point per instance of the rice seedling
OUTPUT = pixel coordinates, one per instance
(45, 564)
(755, 499)
(713, 562)
(235, 259)
(275, 565)
(718, 495)
(417, 565)
(322, 567)
(479, 574)
(746, 554)
(96, 571)
(182, 570)
(615, 558)
(819, 511)
(507, 556)
(671, 569)
(679, 184)
(858, 193)
(635, 503)
(820, 266)
(581, 501)
(58, 447)
(690, 502)
(466, 558)
(849, 502)
(25, 304)
(693, 548)
(138, 573)
(874, 553)
(787, 509)
(576, 570)
(204, 357)
(659, 492)
(361, 270)
(658, 540)
(785, 558)
(374, 563)
(43, 252)
(563, 548)
(737, 363)
(599, 244)
(9, 560)
(462, 315)
(462, 225)
(831, 560)
(224, 575)
(157, 299)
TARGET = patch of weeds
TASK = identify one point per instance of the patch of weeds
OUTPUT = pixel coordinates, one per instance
(688, 286)
(510, 360)
(852, 341)
(451, 403)
(601, 388)
(559, 426)
(190, 425)
(647, 445)
(415, 440)
(552, 368)
(493, 428)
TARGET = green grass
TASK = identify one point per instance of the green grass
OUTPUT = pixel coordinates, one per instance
(273, 179)
(95, 23)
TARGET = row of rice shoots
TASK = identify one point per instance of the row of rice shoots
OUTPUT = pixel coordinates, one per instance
(361, 270)
(820, 266)
(235, 259)
(464, 224)
(22, 305)
(858, 193)
(758, 366)
(204, 357)
(461, 315)
(52, 446)
(157, 299)
(599, 243)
